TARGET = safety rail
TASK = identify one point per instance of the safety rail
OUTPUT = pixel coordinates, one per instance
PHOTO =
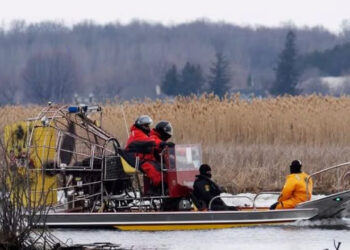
(260, 194)
(345, 175)
(230, 197)
(325, 170)
(162, 169)
(252, 200)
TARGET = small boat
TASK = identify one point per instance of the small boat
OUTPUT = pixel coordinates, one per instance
(327, 207)
(179, 220)
(84, 178)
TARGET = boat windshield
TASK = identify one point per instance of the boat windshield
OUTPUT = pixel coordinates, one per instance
(185, 157)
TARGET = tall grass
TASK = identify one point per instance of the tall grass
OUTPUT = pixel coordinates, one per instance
(303, 120)
(248, 143)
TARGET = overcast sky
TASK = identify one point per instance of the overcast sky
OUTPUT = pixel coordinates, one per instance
(328, 13)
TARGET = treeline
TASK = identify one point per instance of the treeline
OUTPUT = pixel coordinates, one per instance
(192, 81)
(330, 62)
(51, 61)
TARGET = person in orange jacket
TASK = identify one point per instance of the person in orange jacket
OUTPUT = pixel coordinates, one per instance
(295, 189)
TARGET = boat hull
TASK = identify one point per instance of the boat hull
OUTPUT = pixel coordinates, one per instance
(157, 221)
(332, 206)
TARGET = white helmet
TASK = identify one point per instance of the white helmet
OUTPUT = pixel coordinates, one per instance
(143, 120)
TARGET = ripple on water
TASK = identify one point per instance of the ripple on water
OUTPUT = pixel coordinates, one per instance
(319, 235)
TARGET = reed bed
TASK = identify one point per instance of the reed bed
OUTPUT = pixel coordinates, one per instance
(248, 143)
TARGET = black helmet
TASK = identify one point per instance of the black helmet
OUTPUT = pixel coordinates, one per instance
(295, 167)
(143, 122)
(205, 170)
(165, 129)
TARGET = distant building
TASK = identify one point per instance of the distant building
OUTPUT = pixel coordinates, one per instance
(326, 85)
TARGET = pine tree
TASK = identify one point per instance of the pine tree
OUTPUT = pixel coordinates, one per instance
(250, 81)
(219, 77)
(286, 72)
(192, 79)
(170, 84)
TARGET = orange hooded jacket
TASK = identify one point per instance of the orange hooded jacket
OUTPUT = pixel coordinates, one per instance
(294, 191)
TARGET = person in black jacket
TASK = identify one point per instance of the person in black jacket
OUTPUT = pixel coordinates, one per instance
(204, 190)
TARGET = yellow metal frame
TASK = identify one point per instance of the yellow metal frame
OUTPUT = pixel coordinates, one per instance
(128, 169)
(42, 151)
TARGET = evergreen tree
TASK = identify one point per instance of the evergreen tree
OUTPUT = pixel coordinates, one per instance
(170, 83)
(192, 79)
(250, 81)
(219, 77)
(286, 72)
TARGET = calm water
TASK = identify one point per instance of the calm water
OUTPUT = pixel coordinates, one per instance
(291, 237)
(318, 235)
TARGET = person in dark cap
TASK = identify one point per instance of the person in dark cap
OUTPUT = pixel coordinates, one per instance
(296, 188)
(205, 189)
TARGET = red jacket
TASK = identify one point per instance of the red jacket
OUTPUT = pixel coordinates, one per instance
(155, 136)
(138, 136)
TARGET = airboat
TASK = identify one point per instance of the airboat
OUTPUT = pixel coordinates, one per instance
(84, 178)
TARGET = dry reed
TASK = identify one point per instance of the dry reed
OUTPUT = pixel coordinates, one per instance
(248, 143)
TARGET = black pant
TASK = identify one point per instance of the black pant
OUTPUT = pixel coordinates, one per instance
(274, 205)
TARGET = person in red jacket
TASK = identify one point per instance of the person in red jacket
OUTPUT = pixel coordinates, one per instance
(139, 142)
(159, 135)
(147, 145)
(140, 130)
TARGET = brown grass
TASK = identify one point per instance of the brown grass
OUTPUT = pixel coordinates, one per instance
(249, 144)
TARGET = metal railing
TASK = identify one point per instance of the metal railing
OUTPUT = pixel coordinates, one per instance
(260, 194)
(229, 197)
(345, 164)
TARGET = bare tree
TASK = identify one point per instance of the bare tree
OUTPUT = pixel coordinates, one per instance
(9, 88)
(50, 77)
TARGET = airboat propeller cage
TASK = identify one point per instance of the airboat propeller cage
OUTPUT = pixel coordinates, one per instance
(78, 141)
(58, 140)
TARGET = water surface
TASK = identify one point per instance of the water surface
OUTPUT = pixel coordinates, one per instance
(319, 235)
